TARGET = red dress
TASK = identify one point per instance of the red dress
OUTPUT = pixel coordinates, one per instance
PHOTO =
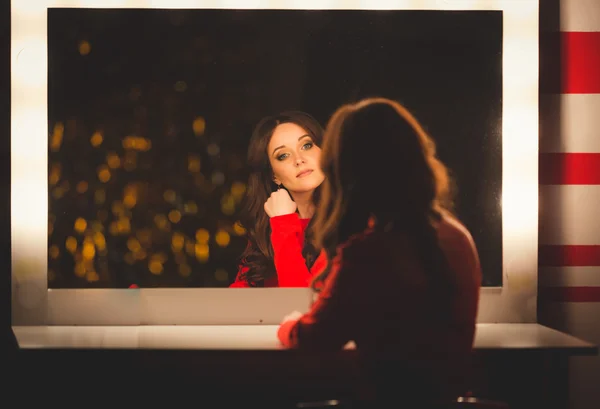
(287, 239)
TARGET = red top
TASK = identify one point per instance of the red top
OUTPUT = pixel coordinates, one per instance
(377, 295)
(287, 239)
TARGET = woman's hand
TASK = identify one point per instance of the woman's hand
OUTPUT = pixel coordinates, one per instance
(280, 203)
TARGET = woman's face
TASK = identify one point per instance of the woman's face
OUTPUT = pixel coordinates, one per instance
(295, 159)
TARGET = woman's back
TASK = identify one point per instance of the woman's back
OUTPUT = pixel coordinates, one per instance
(394, 303)
(406, 334)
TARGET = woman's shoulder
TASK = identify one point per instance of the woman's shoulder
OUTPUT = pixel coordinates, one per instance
(449, 228)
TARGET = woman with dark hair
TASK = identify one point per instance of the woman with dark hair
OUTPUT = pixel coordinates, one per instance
(403, 275)
(284, 155)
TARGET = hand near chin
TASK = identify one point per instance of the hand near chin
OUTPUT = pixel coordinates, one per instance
(280, 203)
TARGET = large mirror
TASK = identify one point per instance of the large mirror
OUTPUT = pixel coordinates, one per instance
(150, 113)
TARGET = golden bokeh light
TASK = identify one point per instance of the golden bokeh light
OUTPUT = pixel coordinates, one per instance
(53, 251)
(238, 228)
(113, 161)
(71, 244)
(81, 187)
(103, 173)
(194, 163)
(175, 216)
(190, 207)
(169, 196)
(84, 47)
(199, 125)
(97, 139)
(202, 252)
(202, 236)
(80, 225)
(222, 238)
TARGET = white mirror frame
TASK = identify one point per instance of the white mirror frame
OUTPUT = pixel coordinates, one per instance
(34, 304)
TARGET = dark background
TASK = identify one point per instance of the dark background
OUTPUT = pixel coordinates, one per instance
(150, 74)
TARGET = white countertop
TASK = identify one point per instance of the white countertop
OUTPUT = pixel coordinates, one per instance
(263, 337)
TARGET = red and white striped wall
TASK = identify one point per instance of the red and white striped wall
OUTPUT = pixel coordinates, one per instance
(569, 237)
(569, 229)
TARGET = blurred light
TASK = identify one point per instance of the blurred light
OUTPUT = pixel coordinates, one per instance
(71, 244)
(227, 204)
(53, 252)
(177, 242)
(124, 225)
(113, 228)
(99, 240)
(194, 163)
(155, 267)
(103, 173)
(213, 149)
(84, 48)
(89, 251)
(238, 228)
(190, 248)
(117, 208)
(92, 276)
(55, 171)
(161, 221)
(202, 236)
(58, 192)
(79, 270)
(96, 139)
(174, 216)
(80, 225)
(113, 161)
(190, 207)
(222, 238)
(238, 189)
(57, 137)
(198, 126)
(202, 252)
(133, 244)
(140, 255)
(82, 187)
(169, 196)
(136, 143)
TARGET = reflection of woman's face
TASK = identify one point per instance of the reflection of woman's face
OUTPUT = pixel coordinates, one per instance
(295, 158)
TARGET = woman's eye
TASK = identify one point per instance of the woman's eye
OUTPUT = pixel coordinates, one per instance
(282, 156)
(307, 145)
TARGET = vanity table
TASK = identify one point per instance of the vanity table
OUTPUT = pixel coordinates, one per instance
(523, 364)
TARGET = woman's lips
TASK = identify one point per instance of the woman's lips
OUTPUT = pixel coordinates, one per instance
(304, 173)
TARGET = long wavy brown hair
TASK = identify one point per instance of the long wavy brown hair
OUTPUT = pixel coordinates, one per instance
(258, 256)
(380, 164)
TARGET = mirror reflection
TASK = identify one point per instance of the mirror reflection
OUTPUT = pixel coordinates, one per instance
(173, 133)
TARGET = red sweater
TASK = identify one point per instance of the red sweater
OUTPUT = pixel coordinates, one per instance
(287, 239)
(377, 296)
